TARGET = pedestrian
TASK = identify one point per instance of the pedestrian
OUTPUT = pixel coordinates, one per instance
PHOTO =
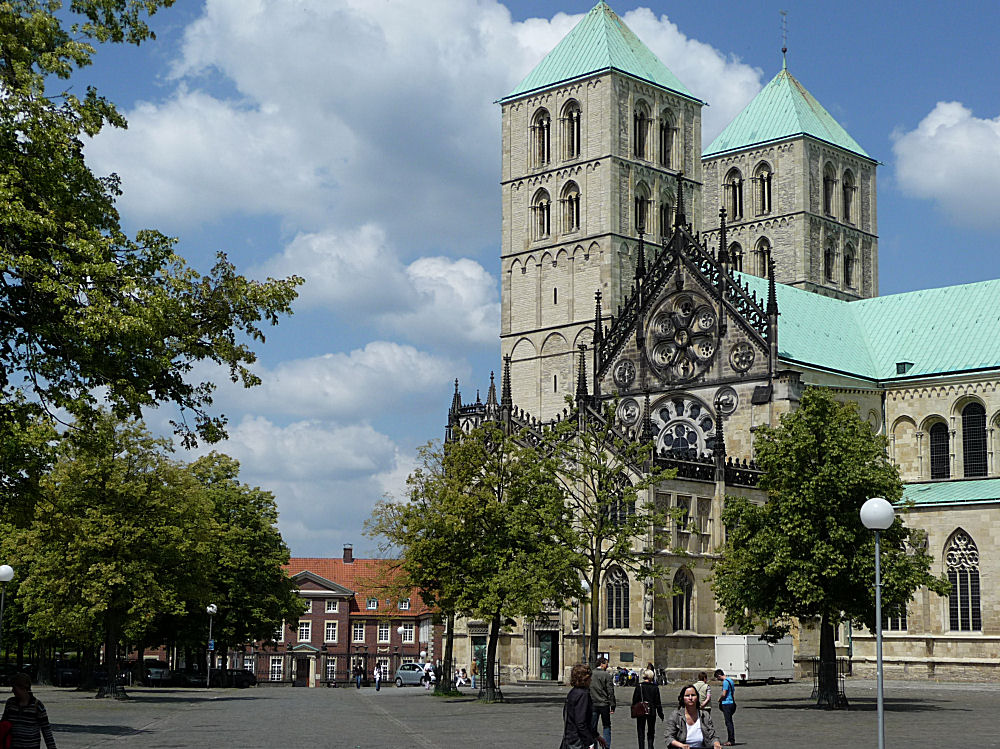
(378, 678)
(704, 691)
(727, 704)
(359, 673)
(689, 727)
(578, 728)
(473, 672)
(602, 695)
(27, 716)
(465, 678)
(647, 694)
(428, 676)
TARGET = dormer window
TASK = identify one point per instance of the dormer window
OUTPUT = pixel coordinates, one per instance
(372, 604)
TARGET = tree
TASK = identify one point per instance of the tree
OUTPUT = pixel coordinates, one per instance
(84, 307)
(603, 474)
(804, 553)
(485, 532)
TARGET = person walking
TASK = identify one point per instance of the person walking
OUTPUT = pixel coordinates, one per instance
(578, 728)
(27, 716)
(473, 672)
(689, 727)
(428, 676)
(602, 695)
(727, 704)
(359, 673)
(377, 673)
(646, 692)
(704, 691)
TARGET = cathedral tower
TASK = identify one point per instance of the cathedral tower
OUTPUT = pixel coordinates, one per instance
(796, 188)
(593, 139)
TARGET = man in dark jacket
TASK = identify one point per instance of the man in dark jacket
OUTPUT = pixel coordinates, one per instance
(578, 732)
(602, 693)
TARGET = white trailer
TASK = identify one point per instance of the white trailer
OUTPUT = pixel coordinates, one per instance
(748, 658)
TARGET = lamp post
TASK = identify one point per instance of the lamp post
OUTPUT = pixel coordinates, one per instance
(211, 610)
(583, 621)
(6, 575)
(877, 515)
(399, 648)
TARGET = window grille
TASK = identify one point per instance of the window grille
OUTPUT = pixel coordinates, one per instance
(331, 632)
(331, 606)
(964, 612)
(940, 468)
(305, 631)
(277, 668)
(618, 603)
(974, 440)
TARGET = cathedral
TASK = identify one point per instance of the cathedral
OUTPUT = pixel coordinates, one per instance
(703, 288)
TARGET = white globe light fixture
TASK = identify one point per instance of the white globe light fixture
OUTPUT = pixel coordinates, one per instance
(6, 575)
(877, 515)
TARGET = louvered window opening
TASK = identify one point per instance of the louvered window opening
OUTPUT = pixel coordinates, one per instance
(974, 440)
(940, 468)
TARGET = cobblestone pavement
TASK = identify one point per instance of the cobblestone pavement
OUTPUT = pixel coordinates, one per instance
(917, 714)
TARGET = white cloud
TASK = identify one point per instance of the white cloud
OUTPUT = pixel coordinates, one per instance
(953, 159)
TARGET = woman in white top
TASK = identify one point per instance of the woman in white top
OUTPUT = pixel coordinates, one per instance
(690, 727)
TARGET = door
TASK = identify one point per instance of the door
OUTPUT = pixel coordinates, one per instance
(548, 656)
(301, 672)
(479, 654)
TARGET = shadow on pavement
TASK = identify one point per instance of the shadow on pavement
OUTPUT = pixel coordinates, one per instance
(103, 730)
(861, 705)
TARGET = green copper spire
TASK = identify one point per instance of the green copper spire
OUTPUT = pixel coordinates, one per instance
(600, 41)
(783, 109)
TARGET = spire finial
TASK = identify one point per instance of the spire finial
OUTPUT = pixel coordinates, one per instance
(505, 397)
(772, 296)
(640, 266)
(723, 241)
(581, 377)
(784, 38)
(680, 219)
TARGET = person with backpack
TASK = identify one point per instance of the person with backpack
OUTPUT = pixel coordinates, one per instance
(645, 707)
(727, 704)
(29, 723)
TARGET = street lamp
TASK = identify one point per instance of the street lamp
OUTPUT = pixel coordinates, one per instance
(583, 621)
(211, 610)
(6, 575)
(877, 515)
(399, 648)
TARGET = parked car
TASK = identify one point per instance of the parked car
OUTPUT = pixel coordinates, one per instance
(409, 674)
(156, 672)
(187, 679)
(66, 674)
(233, 677)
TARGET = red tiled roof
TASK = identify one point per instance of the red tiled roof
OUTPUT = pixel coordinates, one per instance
(368, 578)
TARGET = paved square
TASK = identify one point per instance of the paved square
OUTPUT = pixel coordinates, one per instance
(917, 714)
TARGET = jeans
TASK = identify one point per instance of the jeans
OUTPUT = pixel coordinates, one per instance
(358, 681)
(604, 713)
(728, 708)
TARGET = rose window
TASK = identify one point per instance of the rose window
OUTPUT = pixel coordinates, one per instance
(683, 337)
(686, 428)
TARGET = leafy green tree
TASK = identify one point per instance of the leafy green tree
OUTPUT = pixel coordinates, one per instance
(121, 536)
(86, 307)
(804, 553)
(604, 474)
(485, 532)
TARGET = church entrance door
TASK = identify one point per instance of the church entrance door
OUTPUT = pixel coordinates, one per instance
(548, 656)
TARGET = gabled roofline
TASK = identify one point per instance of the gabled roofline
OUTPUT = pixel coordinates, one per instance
(313, 577)
(782, 139)
(594, 74)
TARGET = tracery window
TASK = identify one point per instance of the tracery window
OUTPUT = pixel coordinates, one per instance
(571, 118)
(683, 592)
(849, 267)
(762, 186)
(666, 139)
(640, 131)
(847, 198)
(541, 137)
(829, 184)
(940, 463)
(733, 189)
(964, 613)
(540, 214)
(618, 601)
(974, 440)
(571, 207)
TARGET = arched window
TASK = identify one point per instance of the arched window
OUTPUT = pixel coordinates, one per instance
(974, 440)
(666, 139)
(666, 215)
(617, 595)
(570, 207)
(736, 256)
(828, 262)
(683, 589)
(761, 256)
(964, 613)
(640, 131)
(540, 214)
(571, 118)
(541, 140)
(940, 463)
(762, 188)
(829, 184)
(849, 267)
(733, 189)
(641, 207)
(847, 198)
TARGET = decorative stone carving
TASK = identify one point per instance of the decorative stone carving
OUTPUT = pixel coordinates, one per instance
(683, 337)
(726, 400)
(741, 357)
(686, 427)
(628, 411)
(624, 373)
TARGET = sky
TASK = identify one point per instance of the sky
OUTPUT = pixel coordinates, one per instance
(356, 143)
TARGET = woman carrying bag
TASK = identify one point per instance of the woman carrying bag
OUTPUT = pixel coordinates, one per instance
(645, 707)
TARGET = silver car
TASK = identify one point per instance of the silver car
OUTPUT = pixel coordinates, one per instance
(410, 674)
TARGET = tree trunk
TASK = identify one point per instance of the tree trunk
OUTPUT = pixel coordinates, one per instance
(448, 674)
(595, 620)
(492, 694)
(828, 690)
(112, 688)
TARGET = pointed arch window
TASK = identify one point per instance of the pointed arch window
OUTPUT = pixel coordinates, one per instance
(733, 189)
(964, 613)
(640, 131)
(847, 197)
(666, 215)
(570, 207)
(667, 139)
(849, 267)
(829, 185)
(641, 207)
(940, 464)
(762, 188)
(974, 440)
(736, 256)
(571, 129)
(541, 138)
(828, 258)
(683, 593)
(618, 599)
(762, 256)
(540, 214)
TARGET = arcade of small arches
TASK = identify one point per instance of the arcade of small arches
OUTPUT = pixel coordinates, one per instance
(733, 191)
(569, 138)
(956, 446)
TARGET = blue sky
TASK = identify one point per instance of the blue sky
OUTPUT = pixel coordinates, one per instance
(356, 143)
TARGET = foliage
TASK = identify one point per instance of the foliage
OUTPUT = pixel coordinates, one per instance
(485, 532)
(805, 553)
(85, 306)
(604, 475)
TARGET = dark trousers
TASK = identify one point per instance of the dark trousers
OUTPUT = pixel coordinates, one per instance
(604, 713)
(727, 711)
(646, 724)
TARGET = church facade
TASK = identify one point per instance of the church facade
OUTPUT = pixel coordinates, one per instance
(703, 290)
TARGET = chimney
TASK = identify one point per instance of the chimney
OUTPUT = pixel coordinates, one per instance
(348, 554)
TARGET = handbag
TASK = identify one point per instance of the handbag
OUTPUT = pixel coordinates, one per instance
(640, 709)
